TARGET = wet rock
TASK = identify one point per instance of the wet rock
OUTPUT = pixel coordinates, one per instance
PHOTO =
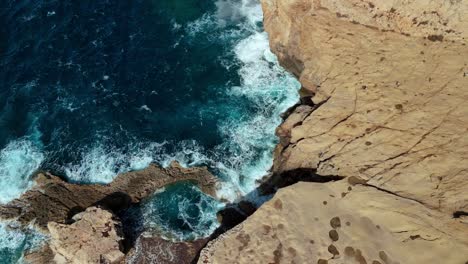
(41, 255)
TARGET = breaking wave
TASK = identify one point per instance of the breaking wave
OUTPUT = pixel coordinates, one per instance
(14, 241)
(18, 160)
(248, 134)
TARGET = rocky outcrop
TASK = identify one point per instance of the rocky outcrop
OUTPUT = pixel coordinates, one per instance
(94, 237)
(385, 86)
(55, 200)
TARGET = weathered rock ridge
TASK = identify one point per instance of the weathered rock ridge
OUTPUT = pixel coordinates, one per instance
(55, 200)
(388, 86)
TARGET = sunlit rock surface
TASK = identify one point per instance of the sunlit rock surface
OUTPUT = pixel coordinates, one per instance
(390, 85)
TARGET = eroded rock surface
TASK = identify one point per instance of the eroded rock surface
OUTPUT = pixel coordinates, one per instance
(388, 114)
(393, 98)
(340, 223)
(94, 237)
(54, 200)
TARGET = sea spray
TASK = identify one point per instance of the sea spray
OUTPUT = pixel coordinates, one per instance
(14, 240)
(18, 160)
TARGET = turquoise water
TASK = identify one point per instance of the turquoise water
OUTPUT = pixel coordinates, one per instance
(177, 212)
(90, 89)
(14, 239)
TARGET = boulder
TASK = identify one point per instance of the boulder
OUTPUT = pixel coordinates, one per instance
(94, 237)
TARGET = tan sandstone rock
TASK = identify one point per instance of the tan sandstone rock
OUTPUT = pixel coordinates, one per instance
(330, 223)
(394, 97)
(390, 80)
(95, 237)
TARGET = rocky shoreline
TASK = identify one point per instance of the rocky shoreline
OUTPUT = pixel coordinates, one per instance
(371, 165)
(380, 138)
(81, 220)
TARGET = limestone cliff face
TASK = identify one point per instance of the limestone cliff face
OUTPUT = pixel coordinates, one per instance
(392, 77)
(388, 82)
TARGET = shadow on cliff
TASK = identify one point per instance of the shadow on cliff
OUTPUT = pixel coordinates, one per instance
(235, 213)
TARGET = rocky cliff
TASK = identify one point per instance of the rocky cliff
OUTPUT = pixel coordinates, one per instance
(384, 86)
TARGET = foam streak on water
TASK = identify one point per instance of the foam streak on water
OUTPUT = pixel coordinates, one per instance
(270, 91)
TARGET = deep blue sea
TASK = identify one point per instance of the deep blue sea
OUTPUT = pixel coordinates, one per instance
(93, 88)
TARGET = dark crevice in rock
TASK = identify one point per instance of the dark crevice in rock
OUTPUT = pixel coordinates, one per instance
(459, 214)
(393, 193)
(236, 213)
(229, 217)
(287, 178)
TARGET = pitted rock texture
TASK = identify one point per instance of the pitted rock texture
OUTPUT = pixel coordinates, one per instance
(335, 223)
(94, 237)
(388, 114)
(393, 106)
(53, 199)
(393, 98)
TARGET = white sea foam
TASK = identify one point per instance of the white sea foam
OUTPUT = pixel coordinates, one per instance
(270, 90)
(18, 160)
(101, 163)
(14, 240)
(202, 223)
(98, 165)
(246, 154)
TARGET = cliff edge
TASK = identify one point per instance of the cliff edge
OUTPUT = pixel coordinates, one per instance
(384, 86)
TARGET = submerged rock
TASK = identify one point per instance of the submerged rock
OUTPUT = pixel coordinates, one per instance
(55, 200)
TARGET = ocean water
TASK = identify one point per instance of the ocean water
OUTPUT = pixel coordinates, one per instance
(90, 89)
